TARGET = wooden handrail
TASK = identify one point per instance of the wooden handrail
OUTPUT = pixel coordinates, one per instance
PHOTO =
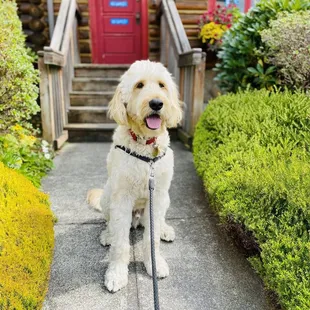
(59, 30)
(176, 27)
(56, 64)
(186, 64)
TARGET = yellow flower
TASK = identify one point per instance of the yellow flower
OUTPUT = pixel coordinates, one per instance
(17, 127)
(28, 140)
(212, 32)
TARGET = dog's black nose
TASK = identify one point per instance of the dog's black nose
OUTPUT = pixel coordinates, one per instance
(156, 104)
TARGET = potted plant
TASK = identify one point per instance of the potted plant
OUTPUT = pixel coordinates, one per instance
(212, 26)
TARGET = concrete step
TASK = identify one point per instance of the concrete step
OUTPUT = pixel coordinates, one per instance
(90, 98)
(94, 84)
(86, 114)
(103, 71)
(89, 132)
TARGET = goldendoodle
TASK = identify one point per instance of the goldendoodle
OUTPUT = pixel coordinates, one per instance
(145, 104)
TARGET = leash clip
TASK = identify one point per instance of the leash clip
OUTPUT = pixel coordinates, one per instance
(151, 178)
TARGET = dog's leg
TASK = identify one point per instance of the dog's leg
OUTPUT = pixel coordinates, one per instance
(166, 231)
(119, 225)
(160, 201)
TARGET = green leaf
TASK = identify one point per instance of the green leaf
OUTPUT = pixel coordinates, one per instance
(252, 70)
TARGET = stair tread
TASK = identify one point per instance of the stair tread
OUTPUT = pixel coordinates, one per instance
(90, 126)
(101, 66)
(90, 79)
(89, 108)
(91, 92)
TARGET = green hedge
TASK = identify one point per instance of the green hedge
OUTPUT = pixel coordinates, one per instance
(252, 151)
(18, 78)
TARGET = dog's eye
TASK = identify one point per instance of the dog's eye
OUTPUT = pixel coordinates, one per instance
(161, 85)
(140, 85)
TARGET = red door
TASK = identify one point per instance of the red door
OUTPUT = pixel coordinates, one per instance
(117, 31)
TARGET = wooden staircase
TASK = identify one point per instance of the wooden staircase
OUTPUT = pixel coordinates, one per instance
(93, 87)
(74, 97)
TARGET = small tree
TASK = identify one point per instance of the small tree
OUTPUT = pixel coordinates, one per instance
(288, 41)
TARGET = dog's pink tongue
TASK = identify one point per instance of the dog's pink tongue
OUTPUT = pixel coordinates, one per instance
(153, 121)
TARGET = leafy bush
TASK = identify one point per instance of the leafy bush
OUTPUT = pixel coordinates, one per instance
(252, 151)
(243, 59)
(19, 149)
(22, 151)
(18, 78)
(288, 43)
(26, 242)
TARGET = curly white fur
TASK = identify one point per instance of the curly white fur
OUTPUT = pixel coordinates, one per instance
(124, 201)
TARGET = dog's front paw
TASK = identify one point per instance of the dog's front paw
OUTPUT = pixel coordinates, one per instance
(116, 277)
(162, 268)
(167, 233)
(105, 237)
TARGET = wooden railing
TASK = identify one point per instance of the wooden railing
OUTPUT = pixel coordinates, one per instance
(56, 65)
(186, 64)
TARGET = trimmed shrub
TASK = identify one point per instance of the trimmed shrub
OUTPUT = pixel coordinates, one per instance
(18, 78)
(288, 43)
(243, 56)
(252, 151)
(26, 242)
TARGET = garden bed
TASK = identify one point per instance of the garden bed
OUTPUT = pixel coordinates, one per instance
(26, 221)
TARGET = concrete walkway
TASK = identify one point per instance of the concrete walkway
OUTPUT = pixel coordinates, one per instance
(206, 271)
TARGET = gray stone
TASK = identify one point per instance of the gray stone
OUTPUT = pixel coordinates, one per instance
(78, 269)
(206, 270)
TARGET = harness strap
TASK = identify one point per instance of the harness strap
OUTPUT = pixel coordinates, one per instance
(144, 158)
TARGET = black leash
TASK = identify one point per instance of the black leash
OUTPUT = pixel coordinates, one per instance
(154, 272)
(151, 161)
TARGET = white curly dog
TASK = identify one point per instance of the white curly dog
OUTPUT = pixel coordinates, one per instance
(145, 104)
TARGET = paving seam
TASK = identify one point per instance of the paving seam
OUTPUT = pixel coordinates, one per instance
(191, 217)
(80, 223)
(133, 239)
(99, 222)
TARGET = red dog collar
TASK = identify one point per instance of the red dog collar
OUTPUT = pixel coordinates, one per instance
(149, 141)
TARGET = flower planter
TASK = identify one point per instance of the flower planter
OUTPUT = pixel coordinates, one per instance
(211, 59)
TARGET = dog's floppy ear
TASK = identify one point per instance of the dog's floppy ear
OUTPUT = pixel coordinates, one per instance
(117, 109)
(176, 107)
